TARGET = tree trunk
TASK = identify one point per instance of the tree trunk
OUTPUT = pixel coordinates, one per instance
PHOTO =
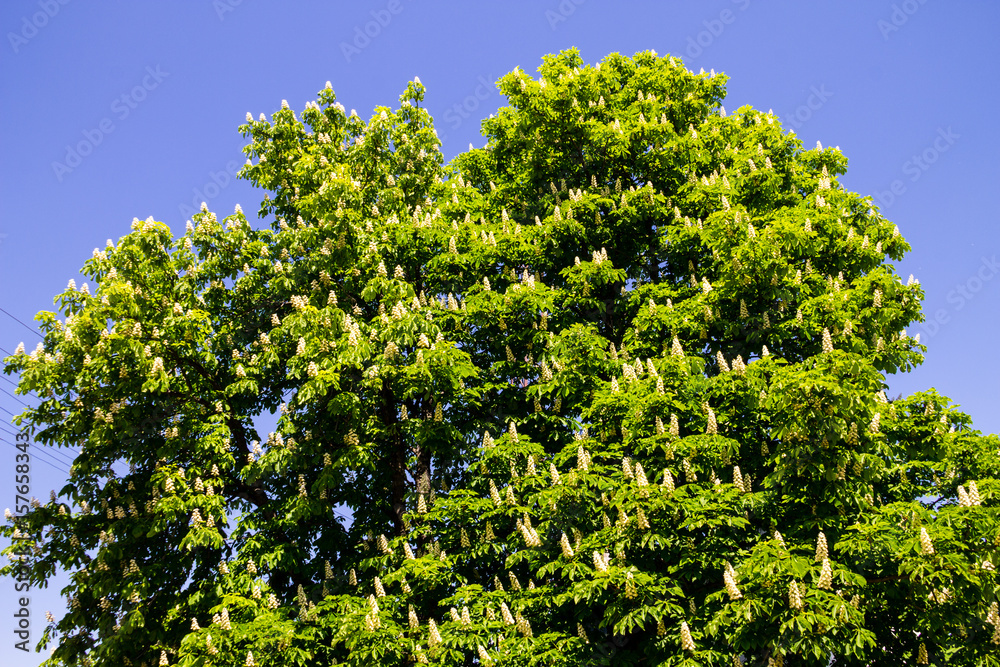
(397, 462)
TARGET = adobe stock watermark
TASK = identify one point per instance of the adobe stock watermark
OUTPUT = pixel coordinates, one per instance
(713, 30)
(563, 11)
(212, 188)
(917, 165)
(20, 547)
(223, 7)
(122, 107)
(363, 35)
(47, 10)
(961, 295)
(901, 13)
(817, 98)
(457, 113)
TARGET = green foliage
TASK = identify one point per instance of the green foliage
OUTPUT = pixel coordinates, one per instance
(610, 390)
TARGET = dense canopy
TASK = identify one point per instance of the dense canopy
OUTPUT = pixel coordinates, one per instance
(609, 390)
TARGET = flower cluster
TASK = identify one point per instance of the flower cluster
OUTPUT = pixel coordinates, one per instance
(729, 577)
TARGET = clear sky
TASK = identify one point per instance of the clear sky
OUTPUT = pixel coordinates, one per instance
(113, 110)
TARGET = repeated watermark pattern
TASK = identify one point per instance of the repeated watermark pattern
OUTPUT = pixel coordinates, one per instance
(917, 165)
(223, 7)
(961, 295)
(122, 107)
(363, 35)
(30, 25)
(817, 98)
(21, 551)
(216, 183)
(458, 112)
(714, 28)
(563, 11)
(901, 13)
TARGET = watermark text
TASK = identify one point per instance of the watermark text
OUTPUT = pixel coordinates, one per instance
(901, 13)
(21, 551)
(31, 25)
(122, 107)
(363, 35)
(917, 165)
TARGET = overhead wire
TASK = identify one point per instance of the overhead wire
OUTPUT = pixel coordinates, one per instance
(54, 454)
(48, 448)
(21, 402)
(15, 397)
(29, 328)
(51, 462)
(9, 381)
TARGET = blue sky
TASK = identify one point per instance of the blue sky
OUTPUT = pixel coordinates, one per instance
(114, 110)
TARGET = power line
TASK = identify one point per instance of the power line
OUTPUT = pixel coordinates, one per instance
(53, 464)
(49, 448)
(19, 401)
(52, 449)
(49, 453)
(15, 398)
(69, 447)
(14, 384)
(29, 328)
(42, 449)
(7, 411)
(7, 379)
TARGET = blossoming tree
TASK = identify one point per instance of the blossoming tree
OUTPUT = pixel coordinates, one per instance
(610, 390)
